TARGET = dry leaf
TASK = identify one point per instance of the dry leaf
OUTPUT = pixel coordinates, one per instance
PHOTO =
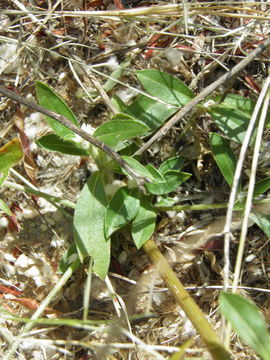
(199, 235)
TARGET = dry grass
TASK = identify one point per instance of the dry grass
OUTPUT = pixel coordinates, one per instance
(75, 46)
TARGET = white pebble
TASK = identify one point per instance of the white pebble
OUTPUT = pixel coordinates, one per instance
(62, 76)
(8, 58)
(250, 258)
(29, 213)
(3, 222)
(23, 261)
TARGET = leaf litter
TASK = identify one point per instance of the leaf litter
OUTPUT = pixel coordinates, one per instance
(196, 48)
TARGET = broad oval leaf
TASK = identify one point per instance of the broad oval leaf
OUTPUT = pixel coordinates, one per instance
(174, 163)
(138, 167)
(156, 175)
(122, 208)
(10, 154)
(247, 321)
(240, 103)
(149, 111)
(88, 224)
(120, 128)
(237, 102)
(53, 142)
(143, 226)
(173, 179)
(165, 87)
(223, 156)
(232, 122)
(51, 101)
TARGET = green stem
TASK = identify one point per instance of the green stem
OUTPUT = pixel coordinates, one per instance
(237, 207)
(182, 297)
(54, 200)
(191, 207)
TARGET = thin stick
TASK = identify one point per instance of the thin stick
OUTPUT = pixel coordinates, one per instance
(264, 96)
(87, 289)
(63, 120)
(220, 8)
(206, 92)
(233, 194)
(251, 185)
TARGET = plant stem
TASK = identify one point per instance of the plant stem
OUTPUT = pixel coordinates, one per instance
(54, 200)
(182, 297)
(192, 207)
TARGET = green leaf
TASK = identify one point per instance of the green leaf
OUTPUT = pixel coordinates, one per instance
(51, 101)
(165, 202)
(241, 104)
(122, 208)
(149, 111)
(237, 102)
(10, 154)
(118, 103)
(261, 187)
(130, 150)
(261, 220)
(165, 87)
(143, 226)
(88, 224)
(223, 156)
(120, 128)
(173, 179)
(232, 122)
(138, 167)
(3, 176)
(110, 83)
(4, 208)
(247, 321)
(69, 257)
(174, 163)
(53, 142)
(156, 175)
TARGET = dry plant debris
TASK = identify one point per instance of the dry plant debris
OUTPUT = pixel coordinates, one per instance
(76, 47)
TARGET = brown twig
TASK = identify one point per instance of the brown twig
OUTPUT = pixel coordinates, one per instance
(64, 121)
(202, 95)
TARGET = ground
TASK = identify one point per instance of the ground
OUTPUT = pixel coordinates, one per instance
(76, 55)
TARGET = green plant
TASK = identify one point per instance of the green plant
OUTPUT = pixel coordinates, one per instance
(226, 161)
(99, 215)
(127, 206)
(247, 321)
